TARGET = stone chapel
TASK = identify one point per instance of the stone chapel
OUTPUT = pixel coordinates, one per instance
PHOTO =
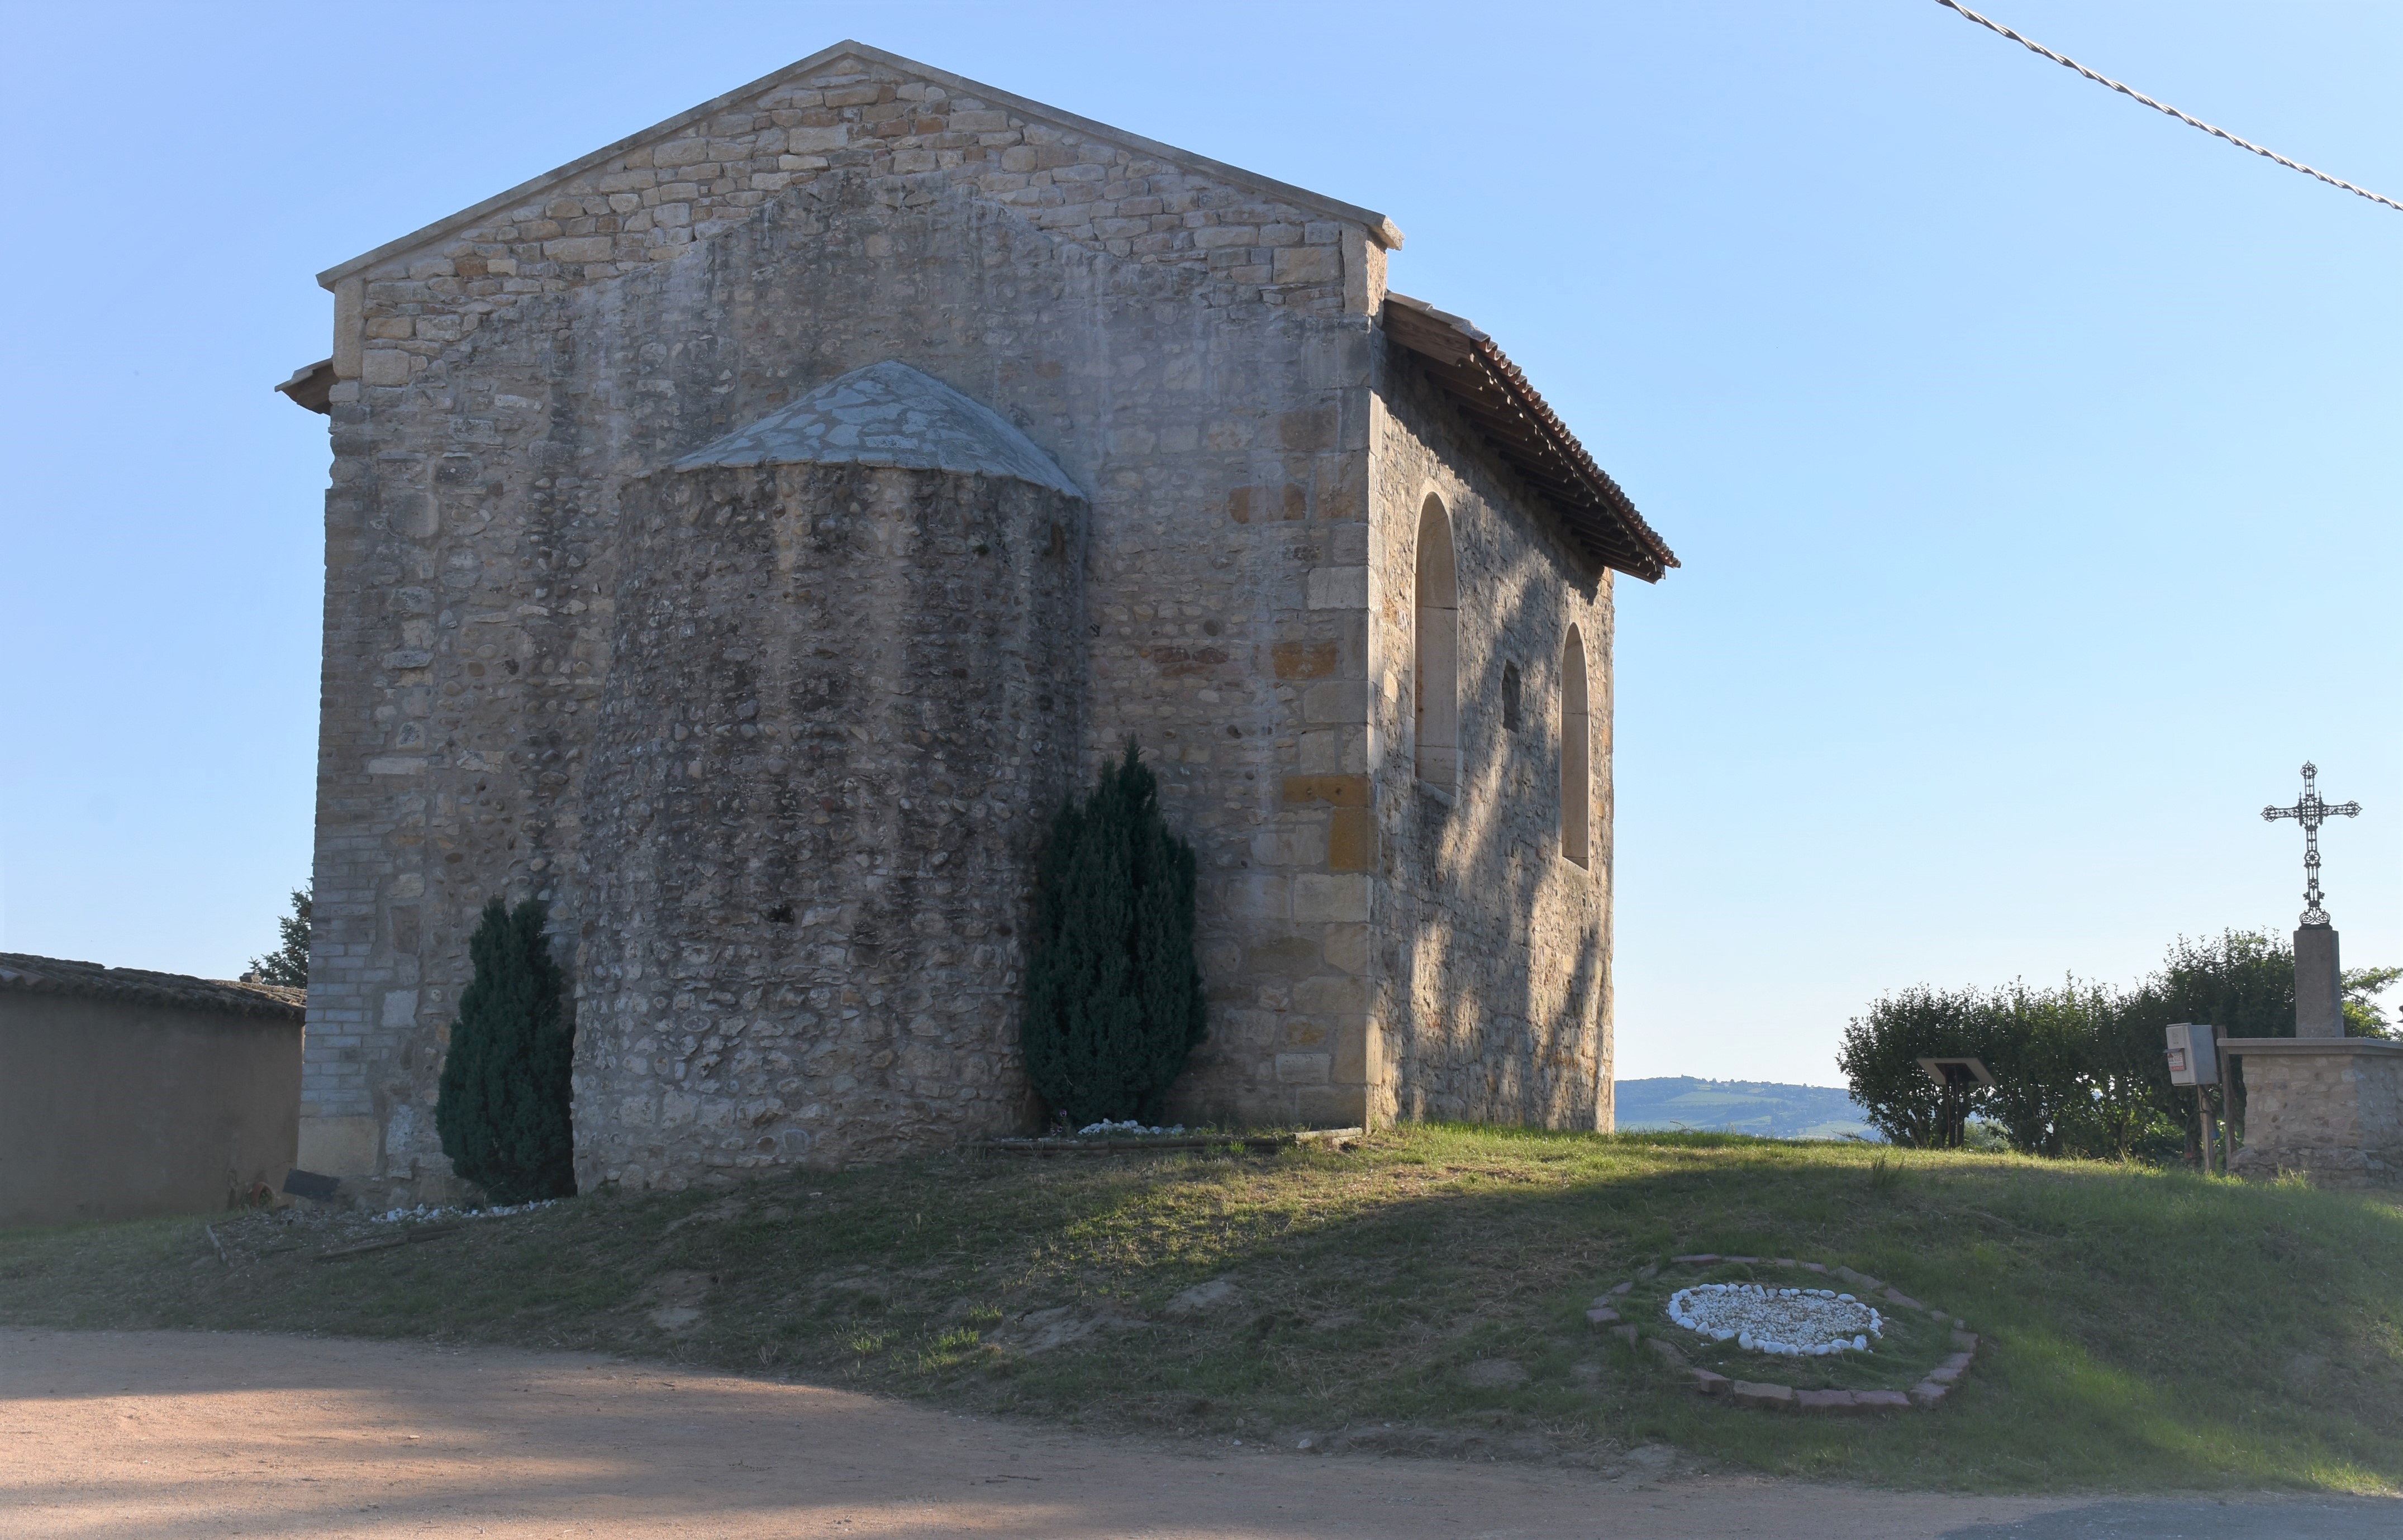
(742, 537)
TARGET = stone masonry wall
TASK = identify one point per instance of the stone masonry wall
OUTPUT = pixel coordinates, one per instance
(2335, 1116)
(1191, 351)
(841, 708)
(1492, 961)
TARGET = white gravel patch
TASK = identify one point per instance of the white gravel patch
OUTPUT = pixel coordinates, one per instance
(397, 1216)
(1792, 1322)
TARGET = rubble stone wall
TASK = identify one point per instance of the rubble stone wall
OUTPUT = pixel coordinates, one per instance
(1494, 983)
(841, 710)
(2335, 1117)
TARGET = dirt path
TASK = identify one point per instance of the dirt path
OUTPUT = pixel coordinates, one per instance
(172, 1433)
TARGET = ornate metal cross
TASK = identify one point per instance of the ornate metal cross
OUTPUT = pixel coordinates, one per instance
(2311, 812)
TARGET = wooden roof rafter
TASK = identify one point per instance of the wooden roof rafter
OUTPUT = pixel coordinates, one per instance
(1513, 420)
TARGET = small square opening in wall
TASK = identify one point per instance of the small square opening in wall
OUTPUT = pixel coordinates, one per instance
(1511, 697)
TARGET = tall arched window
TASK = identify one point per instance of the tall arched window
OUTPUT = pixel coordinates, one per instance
(1575, 753)
(1437, 674)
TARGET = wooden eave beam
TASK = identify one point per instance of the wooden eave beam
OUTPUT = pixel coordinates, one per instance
(1516, 424)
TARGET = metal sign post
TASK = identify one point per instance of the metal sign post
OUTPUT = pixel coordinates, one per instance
(2194, 1060)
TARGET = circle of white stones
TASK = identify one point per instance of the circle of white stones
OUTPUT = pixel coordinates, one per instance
(1795, 1323)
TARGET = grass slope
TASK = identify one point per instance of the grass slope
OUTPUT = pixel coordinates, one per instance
(1422, 1292)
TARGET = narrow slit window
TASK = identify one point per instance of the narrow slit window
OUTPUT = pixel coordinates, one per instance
(1510, 691)
(1435, 677)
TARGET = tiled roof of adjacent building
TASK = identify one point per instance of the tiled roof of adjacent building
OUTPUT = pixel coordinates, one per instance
(1506, 412)
(138, 986)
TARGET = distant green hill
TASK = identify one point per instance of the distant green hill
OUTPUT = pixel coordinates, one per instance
(1741, 1107)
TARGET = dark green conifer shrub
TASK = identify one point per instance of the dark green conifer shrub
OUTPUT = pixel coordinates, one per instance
(503, 1111)
(288, 963)
(1114, 1001)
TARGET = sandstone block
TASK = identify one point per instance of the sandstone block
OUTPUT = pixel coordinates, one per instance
(1709, 1384)
(1336, 701)
(1830, 1402)
(1766, 1397)
(1881, 1401)
(1303, 1068)
(383, 366)
(1332, 995)
(580, 248)
(1308, 265)
(1306, 660)
(1338, 588)
(1330, 897)
(1341, 791)
(1351, 841)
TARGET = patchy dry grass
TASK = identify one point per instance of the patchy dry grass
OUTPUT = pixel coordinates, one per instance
(1423, 1292)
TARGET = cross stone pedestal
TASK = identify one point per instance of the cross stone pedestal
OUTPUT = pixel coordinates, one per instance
(2328, 1107)
(2319, 983)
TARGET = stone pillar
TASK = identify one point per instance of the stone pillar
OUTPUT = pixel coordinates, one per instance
(2319, 986)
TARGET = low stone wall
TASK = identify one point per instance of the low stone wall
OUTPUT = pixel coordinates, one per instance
(126, 1094)
(2330, 1108)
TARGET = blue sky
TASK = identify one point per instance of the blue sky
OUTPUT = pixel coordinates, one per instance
(2032, 456)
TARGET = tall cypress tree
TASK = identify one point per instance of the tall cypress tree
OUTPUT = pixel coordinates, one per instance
(503, 1111)
(1114, 1003)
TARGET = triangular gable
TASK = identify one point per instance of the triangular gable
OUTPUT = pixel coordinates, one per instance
(1379, 227)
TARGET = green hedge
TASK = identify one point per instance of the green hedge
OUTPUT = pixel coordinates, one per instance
(2080, 1067)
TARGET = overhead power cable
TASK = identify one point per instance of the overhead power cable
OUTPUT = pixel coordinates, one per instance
(2068, 63)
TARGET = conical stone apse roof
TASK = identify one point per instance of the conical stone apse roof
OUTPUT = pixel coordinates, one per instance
(887, 414)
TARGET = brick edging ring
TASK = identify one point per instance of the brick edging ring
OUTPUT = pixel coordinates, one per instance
(1929, 1392)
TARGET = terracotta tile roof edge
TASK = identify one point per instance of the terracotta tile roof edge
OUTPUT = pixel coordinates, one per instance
(20, 971)
(1453, 345)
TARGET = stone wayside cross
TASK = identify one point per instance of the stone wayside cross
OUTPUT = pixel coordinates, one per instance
(2319, 990)
(2311, 812)
(2319, 1103)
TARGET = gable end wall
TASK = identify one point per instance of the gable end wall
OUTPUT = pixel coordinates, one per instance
(1195, 359)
